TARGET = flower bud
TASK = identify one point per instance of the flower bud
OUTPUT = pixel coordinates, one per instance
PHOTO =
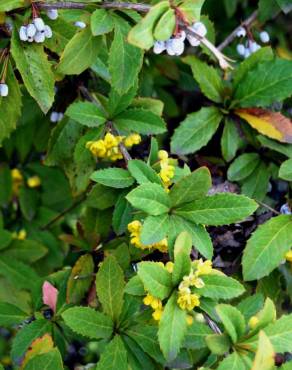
(159, 47)
(80, 24)
(39, 24)
(39, 37)
(199, 28)
(241, 32)
(4, 90)
(240, 48)
(265, 37)
(52, 14)
(48, 32)
(31, 30)
(23, 33)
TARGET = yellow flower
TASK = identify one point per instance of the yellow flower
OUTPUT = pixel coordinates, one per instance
(203, 268)
(152, 301)
(169, 266)
(111, 141)
(253, 321)
(34, 182)
(21, 235)
(189, 319)
(188, 301)
(162, 154)
(200, 318)
(157, 314)
(17, 180)
(288, 256)
(166, 170)
(133, 139)
(193, 280)
(134, 226)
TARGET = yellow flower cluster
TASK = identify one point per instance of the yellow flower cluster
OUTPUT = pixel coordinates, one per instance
(156, 304)
(166, 170)
(34, 182)
(186, 299)
(21, 235)
(17, 180)
(288, 256)
(135, 229)
(108, 147)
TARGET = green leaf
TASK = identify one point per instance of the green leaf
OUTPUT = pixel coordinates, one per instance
(172, 328)
(8, 5)
(262, 55)
(256, 184)
(125, 60)
(5, 183)
(146, 338)
(192, 9)
(113, 177)
(139, 120)
(232, 320)
(195, 131)
(154, 105)
(165, 26)
(102, 197)
(219, 344)
(51, 360)
(27, 335)
(142, 172)
(118, 103)
(267, 247)
(156, 279)
(62, 34)
(218, 209)
(114, 357)
(243, 166)
(141, 34)
(80, 53)
(191, 187)
(122, 215)
(251, 305)
(35, 69)
(18, 273)
(200, 236)
(208, 78)
(285, 171)
(265, 355)
(232, 362)
(230, 140)
(220, 287)
(10, 106)
(5, 239)
(28, 251)
(78, 287)
(182, 261)
(11, 315)
(154, 229)
(285, 149)
(101, 22)
(110, 287)
(135, 286)
(88, 114)
(150, 198)
(196, 335)
(88, 322)
(268, 9)
(267, 82)
(28, 200)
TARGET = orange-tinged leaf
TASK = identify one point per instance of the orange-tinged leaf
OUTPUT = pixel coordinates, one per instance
(39, 346)
(271, 124)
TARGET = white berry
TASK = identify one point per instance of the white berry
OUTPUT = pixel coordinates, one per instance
(39, 24)
(31, 30)
(247, 53)
(193, 40)
(178, 46)
(285, 209)
(265, 37)
(169, 48)
(182, 36)
(60, 116)
(54, 117)
(199, 28)
(241, 32)
(240, 48)
(159, 47)
(4, 90)
(23, 33)
(80, 24)
(39, 37)
(253, 47)
(52, 14)
(48, 32)
(30, 39)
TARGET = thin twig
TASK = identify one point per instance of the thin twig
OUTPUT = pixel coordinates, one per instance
(106, 5)
(268, 207)
(212, 325)
(247, 23)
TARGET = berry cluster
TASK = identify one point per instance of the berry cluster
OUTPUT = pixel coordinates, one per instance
(176, 45)
(108, 148)
(135, 229)
(37, 31)
(250, 46)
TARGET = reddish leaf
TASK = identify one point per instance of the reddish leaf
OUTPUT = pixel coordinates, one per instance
(50, 295)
